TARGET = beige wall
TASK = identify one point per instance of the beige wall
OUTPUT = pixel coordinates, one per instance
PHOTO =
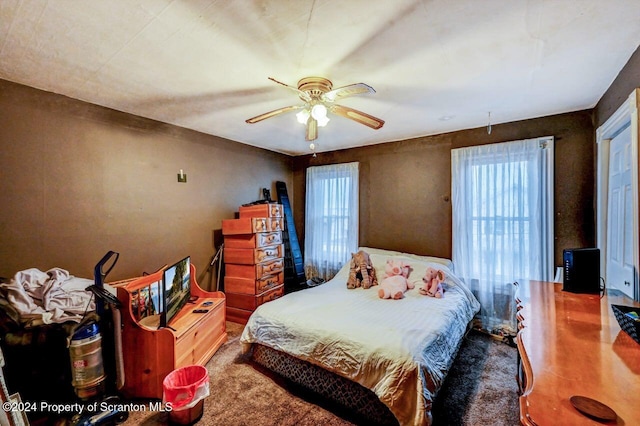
(79, 180)
(405, 187)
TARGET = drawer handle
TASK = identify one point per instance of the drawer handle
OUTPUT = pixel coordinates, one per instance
(270, 279)
(266, 285)
(272, 296)
(272, 266)
(265, 254)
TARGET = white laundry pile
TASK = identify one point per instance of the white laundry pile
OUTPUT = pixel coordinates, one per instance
(54, 296)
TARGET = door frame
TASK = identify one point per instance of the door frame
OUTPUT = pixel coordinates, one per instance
(627, 113)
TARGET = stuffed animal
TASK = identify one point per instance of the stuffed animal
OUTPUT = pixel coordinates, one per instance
(433, 280)
(395, 282)
(361, 271)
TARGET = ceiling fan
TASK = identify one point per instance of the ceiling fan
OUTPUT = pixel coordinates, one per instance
(319, 98)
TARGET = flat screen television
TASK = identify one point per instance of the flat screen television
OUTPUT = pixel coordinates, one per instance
(176, 289)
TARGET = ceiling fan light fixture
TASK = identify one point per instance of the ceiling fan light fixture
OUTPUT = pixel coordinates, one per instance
(303, 116)
(322, 121)
(319, 112)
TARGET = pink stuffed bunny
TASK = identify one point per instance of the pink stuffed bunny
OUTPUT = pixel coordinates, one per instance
(433, 283)
(395, 282)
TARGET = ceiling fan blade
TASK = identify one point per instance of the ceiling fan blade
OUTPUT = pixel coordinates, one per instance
(273, 113)
(312, 129)
(359, 116)
(303, 95)
(346, 91)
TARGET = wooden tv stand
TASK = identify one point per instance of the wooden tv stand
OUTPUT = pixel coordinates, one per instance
(150, 353)
(571, 345)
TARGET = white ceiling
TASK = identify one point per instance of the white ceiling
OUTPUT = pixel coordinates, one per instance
(437, 65)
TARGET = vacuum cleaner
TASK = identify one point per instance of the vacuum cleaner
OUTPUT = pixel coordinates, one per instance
(97, 364)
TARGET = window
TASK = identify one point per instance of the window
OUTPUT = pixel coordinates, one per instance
(502, 222)
(331, 218)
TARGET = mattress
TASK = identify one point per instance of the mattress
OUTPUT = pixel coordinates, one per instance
(399, 349)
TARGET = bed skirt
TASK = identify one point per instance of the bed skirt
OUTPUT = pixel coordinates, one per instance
(344, 392)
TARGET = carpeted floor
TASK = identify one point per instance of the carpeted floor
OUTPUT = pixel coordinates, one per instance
(480, 390)
(481, 387)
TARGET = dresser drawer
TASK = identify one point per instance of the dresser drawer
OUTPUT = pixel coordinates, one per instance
(254, 272)
(260, 239)
(251, 302)
(194, 345)
(250, 286)
(253, 256)
(248, 225)
(269, 268)
(275, 223)
(261, 210)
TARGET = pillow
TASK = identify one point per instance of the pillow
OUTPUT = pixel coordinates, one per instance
(418, 264)
(372, 250)
(446, 262)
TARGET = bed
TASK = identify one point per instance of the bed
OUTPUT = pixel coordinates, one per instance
(400, 350)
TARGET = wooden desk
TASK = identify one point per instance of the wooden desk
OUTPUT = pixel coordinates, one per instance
(571, 344)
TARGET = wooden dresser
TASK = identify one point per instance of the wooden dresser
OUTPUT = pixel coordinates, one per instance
(571, 344)
(254, 259)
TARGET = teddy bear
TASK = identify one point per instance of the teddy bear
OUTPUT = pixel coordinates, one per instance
(361, 271)
(395, 282)
(432, 283)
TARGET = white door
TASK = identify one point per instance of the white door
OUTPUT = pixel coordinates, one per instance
(619, 266)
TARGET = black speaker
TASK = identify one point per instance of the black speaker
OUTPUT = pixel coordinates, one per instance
(581, 270)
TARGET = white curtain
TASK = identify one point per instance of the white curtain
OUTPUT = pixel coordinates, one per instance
(331, 218)
(502, 223)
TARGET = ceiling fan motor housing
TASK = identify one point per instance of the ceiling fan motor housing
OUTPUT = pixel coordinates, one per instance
(315, 86)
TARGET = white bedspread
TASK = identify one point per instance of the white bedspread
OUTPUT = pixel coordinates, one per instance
(400, 349)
